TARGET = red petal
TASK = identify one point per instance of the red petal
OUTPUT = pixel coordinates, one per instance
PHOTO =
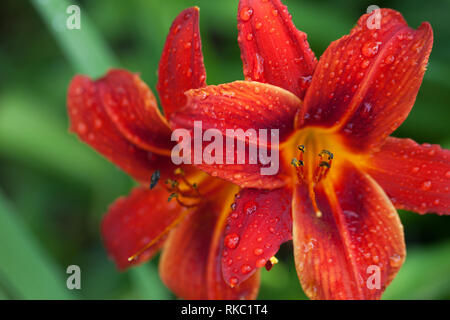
(190, 262)
(260, 222)
(134, 110)
(140, 220)
(358, 238)
(415, 177)
(273, 50)
(247, 175)
(366, 83)
(181, 66)
(240, 105)
(88, 119)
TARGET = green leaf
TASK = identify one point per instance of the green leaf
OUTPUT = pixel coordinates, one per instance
(24, 265)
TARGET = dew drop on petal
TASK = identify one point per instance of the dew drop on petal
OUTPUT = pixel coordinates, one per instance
(81, 128)
(389, 59)
(231, 240)
(233, 281)
(395, 260)
(260, 263)
(246, 13)
(246, 269)
(250, 207)
(426, 185)
(370, 48)
(258, 251)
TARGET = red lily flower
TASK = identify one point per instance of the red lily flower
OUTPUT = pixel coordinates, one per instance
(118, 116)
(341, 176)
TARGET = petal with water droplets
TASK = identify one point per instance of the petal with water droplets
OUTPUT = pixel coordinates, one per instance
(133, 108)
(356, 247)
(257, 113)
(190, 262)
(260, 221)
(272, 49)
(89, 120)
(415, 177)
(366, 82)
(140, 220)
(181, 66)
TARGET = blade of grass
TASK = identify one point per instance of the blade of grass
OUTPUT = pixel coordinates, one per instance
(84, 48)
(146, 281)
(23, 263)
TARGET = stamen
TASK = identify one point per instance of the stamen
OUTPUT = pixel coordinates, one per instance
(192, 193)
(298, 163)
(271, 262)
(325, 159)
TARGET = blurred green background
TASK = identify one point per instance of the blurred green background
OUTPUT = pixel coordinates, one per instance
(54, 189)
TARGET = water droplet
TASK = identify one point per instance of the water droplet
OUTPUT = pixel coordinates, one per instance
(250, 207)
(395, 260)
(367, 108)
(98, 123)
(258, 251)
(426, 185)
(246, 269)
(260, 263)
(234, 281)
(246, 13)
(365, 63)
(81, 128)
(389, 59)
(304, 82)
(231, 240)
(370, 48)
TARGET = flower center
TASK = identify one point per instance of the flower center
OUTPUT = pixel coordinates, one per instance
(313, 153)
(183, 191)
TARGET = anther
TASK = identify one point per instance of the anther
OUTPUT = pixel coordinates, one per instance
(296, 163)
(188, 195)
(271, 262)
(325, 159)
